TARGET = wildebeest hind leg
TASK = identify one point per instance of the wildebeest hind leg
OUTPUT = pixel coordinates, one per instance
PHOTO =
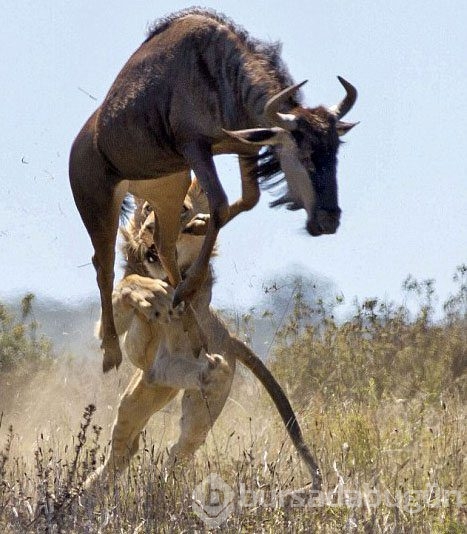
(103, 261)
(166, 195)
(98, 196)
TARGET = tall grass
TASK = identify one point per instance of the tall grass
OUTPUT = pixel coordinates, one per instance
(381, 398)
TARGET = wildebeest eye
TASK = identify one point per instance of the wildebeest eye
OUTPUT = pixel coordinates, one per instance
(298, 136)
(307, 162)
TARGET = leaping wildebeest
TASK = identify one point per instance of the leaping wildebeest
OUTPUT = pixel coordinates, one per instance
(200, 86)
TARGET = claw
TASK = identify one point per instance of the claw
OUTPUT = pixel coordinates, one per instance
(126, 291)
(180, 308)
(216, 370)
(213, 361)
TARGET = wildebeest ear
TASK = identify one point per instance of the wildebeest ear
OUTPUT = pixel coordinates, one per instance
(344, 127)
(258, 136)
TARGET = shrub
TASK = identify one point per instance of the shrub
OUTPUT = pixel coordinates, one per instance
(20, 343)
(384, 351)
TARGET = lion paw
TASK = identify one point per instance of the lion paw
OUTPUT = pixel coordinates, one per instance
(198, 225)
(151, 298)
(216, 371)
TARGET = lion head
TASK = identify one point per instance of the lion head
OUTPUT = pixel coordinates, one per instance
(138, 247)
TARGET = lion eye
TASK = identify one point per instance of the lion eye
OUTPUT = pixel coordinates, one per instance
(151, 254)
(147, 209)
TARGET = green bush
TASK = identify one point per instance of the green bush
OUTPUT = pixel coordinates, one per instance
(384, 351)
(20, 343)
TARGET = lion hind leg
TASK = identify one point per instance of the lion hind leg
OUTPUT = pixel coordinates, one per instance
(174, 366)
(138, 403)
(200, 410)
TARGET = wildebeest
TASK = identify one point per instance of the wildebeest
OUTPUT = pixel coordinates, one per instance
(200, 86)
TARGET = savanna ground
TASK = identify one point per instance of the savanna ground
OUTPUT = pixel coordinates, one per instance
(381, 397)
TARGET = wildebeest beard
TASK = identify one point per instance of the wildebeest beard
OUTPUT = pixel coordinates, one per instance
(268, 172)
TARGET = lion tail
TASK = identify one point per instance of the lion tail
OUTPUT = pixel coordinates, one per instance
(245, 355)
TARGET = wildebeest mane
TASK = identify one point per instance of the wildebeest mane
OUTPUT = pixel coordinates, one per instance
(267, 168)
(268, 51)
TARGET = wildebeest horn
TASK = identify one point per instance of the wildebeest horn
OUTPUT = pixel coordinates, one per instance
(339, 110)
(274, 103)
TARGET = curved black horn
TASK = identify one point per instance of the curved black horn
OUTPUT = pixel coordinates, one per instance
(341, 109)
(273, 104)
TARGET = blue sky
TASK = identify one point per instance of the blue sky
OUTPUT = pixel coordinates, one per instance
(402, 172)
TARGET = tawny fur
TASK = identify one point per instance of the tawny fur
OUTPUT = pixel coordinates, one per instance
(155, 342)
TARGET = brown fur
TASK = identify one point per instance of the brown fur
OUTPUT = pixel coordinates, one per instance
(189, 92)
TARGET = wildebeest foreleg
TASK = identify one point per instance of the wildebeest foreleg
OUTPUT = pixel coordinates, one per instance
(199, 157)
(250, 189)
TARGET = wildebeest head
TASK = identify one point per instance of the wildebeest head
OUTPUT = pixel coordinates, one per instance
(306, 141)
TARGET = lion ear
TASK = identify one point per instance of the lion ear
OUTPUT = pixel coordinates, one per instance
(198, 197)
(195, 189)
(138, 214)
(128, 240)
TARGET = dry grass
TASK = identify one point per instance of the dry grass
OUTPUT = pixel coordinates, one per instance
(381, 398)
(373, 460)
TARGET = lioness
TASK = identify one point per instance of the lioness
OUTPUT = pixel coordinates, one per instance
(155, 342)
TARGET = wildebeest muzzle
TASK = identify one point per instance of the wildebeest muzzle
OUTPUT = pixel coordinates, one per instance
(323, 221)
